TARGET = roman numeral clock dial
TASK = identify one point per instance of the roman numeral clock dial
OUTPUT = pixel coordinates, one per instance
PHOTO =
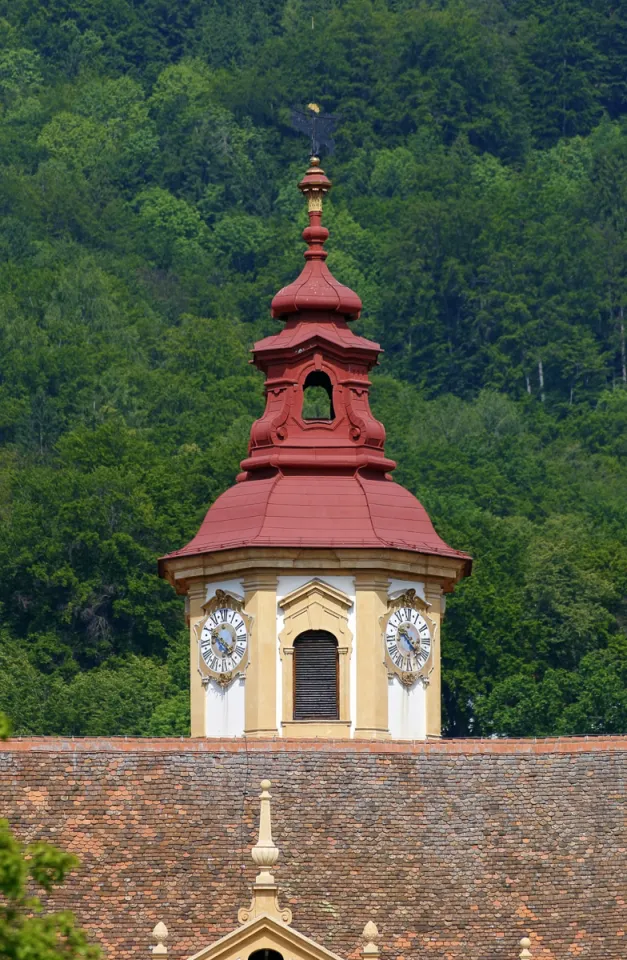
(408, 641)
(223, 640)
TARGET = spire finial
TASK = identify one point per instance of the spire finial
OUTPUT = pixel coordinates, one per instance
(525, 953)
(314, 185)
(265, 854)
(160, 934)
(370, 936)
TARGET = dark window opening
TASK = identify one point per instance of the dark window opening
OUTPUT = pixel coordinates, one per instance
(265, 954)
(318, 397)
(316, 676)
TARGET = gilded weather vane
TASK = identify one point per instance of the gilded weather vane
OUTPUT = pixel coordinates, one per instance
(319, 128)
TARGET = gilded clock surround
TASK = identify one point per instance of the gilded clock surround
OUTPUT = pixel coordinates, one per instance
(219, 601)
(409, 599)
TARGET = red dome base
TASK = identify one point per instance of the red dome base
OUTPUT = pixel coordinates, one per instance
(301, 511)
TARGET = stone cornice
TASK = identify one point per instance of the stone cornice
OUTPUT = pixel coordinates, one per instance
(259, 561)
(187, 745)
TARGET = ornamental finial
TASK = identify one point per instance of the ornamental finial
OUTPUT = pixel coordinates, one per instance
(160, 934)
(314, 185)
(265, 853)
(525, 953)
(370, 936)
(265, 900)
(316, 290)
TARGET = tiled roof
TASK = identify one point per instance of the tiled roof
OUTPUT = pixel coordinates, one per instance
(455, 849)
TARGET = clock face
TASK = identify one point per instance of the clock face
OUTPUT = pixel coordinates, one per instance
(408, 639)
(223, 640)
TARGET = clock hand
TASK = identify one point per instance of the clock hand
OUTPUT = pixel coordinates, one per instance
(217, 639)
(406, 637)
(223, 645)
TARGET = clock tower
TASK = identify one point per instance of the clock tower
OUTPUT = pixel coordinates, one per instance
(315, 585)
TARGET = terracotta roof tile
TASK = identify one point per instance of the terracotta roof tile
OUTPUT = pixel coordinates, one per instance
(450, 847)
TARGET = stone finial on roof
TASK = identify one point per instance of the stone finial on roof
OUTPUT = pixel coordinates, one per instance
(265, 854)
(370, 935)
(525, 953)
(160, 934)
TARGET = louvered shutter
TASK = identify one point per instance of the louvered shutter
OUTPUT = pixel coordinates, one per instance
(315, 676)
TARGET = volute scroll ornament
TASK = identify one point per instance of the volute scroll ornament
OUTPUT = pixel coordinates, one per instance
(364, 426)
(272, 423)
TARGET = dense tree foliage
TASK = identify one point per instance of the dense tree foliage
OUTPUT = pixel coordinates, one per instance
(147, 173)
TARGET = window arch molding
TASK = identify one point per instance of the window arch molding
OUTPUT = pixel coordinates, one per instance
(316, 606)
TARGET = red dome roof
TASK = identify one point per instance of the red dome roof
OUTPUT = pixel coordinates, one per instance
(310, 511)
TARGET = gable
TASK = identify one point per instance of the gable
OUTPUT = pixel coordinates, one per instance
(264, 933)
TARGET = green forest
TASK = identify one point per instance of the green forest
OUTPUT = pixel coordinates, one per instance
(148, 176)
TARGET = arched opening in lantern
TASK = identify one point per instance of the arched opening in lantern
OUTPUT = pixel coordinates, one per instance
(318, 397)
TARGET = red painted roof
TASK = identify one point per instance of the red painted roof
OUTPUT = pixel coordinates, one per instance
(317, 327)
(315, 511)
(316, 289)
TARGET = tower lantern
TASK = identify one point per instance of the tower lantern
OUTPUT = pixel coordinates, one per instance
(315, 583)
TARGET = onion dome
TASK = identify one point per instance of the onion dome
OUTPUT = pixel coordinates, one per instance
(316, 288)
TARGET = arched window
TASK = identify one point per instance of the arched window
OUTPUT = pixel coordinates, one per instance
(265, 954)
(318, 397)
(316, 676)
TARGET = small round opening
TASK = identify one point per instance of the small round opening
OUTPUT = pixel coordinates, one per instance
(265, 954)
(318, 397)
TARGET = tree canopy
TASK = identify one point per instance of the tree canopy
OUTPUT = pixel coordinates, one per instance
(149, 213)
